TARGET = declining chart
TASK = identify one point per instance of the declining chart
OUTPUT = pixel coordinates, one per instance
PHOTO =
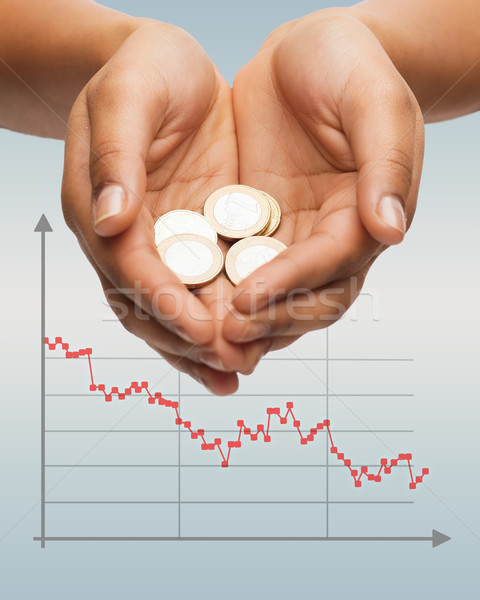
(249, 434)
(306, 450)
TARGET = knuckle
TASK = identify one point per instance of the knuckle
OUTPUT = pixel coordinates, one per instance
(104, 160)
(400, 164)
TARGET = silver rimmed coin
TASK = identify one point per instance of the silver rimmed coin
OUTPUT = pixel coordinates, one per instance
(194, 259)
(177, 222)
(275, 216)
(237, 211)
(249, 254)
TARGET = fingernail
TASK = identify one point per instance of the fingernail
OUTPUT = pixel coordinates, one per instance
(252, 331)
(212, 360)
(183, 334)
(391, 212)
(110, 203)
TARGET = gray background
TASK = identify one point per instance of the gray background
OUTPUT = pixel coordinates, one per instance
(426, 296)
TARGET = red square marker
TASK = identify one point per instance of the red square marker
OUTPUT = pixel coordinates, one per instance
(303, 441)
(333, 449)
(413, 486)
(289, 404)
(240, 423)
(93, 387)
(296, 423)
(218, 441)
(194, 435)
(268, 438)
(224, 463)
(283, 420)
(347, 462)
(178, 421)
(358, 484)
(151, 400)
(387, 470)
(383, 461)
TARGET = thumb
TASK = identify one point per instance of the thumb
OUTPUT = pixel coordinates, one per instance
(122, 122)
(386, 137)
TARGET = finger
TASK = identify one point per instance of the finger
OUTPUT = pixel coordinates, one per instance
(124, 120)
(217, 355)
(142, 325)
(299, 313)
(128, 260)
(337, 247)
(222, 355)
(220, 384)
(386, 136)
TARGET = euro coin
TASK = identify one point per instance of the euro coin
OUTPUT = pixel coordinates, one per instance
(237, 211)
(194, 259)
(249, 254)
(177, 222)
(275, 215)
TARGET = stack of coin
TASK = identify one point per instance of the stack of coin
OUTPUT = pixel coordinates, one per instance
(187, 241)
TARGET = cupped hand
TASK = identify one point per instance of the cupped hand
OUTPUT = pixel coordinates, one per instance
(153, 130)
(326, 124)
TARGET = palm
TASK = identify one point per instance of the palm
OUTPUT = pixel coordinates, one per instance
(310, 170)
(192, 152)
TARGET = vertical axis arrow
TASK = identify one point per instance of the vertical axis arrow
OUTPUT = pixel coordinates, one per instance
(43, 227)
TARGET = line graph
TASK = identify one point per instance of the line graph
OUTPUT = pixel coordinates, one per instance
(260, 431)
(202, 491)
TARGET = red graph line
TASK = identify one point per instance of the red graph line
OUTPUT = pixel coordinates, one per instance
(225, 448)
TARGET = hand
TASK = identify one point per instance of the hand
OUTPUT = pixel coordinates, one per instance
(152, 131)
(326, 124)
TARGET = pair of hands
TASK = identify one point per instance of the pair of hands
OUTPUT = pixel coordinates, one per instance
(320, 119)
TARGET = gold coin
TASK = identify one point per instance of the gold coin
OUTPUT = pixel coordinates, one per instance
(194, 259)
(249, 254)
(275, 216)
(237, 211)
